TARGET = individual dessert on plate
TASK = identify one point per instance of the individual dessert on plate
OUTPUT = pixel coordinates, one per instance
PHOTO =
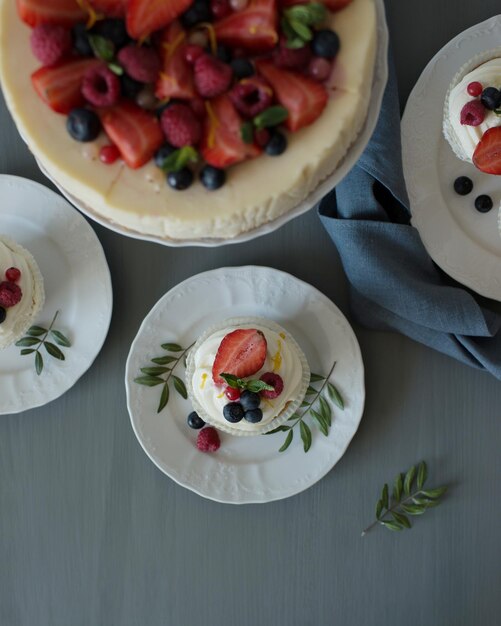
(188, 118)
(245, 376)
(22, 293)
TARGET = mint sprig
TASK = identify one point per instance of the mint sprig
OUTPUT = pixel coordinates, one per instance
(104, 49)
(272, 116)
(179, 159)
(38, 336)
(250, 385)
(298, 22)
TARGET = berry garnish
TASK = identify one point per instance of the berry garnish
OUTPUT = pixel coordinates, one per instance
(13, 274)
(475, 89)
(197, 105)
(130, 87)
(192, 52)
(162, 153)
(195, 421)
(252, 27)
(146, 16)
(208, 440)
(232, 394)
(233, 412)
(199, 11)
(251, 96)
(83, 125)
(220, 8)
(253, 416)
(112, 29)
(3, 314)
(483, 204)
(181, 179)
(487, 155)
(241, 353)
(291, 58)
(249, 400)
(242, 68)
(181, 126)
(223, 53)
(463, 185)
(325, 43)
(146, 99)
(176, 76)
(270, 378)
(140, 62)
(277, 144)
(109, 154)
(212, 177)
(212, 76)
(10, 294)
(50, 43)
(262, 136)
(81, 43)
(64, 12)
(473, 113)
(491, 98)
(319, 69)
(101, 87)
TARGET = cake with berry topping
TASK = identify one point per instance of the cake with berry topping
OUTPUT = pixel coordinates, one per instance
(245, 376)
(139, 109)
(21, 291)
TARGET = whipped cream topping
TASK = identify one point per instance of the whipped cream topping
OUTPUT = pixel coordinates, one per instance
(468, 137)
(281, 358)
(20, 316)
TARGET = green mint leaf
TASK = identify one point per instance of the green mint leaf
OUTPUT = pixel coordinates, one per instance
(154, 371)
(301, 29)
(38, 363)
(294, 43)
(400, 518)
(315, 378)
(103, 48)
(247, 132)
(287, 30)
(305, 435)
(258, 385)
(27, 341)
(409, 479)
(163, 360)
(335, 396)
(384, 496)
(287, 441)
(422, 474)
(179, 159)
(171, 347)
(232, 381)
(36, 331)
(149, 381)
(116, 68)
(180, 387)
(301, 13)
(61, 339)
(54, 351)
(164, 398)
(317, 13)
(272, 116)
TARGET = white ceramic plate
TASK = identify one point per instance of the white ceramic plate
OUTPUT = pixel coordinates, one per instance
(245, 469)
(464, 243)
(354, 153)
(77, 283)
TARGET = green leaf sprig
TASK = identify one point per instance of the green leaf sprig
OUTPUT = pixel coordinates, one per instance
(104, 49)
(162, 373)
(38, 336)
(272, 116)
(317, 408)
(406, 499)
(179, 159)
(250, 385)
(298, 21)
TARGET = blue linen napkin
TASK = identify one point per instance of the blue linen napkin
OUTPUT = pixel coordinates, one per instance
(394, 284)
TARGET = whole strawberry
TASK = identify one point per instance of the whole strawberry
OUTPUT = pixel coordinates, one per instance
(212, 76)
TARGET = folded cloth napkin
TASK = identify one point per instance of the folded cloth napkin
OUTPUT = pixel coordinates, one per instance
(394, 284)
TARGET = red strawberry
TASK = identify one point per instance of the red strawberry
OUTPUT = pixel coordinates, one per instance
(62, 12)
(176, 76)
(222, 143)
(254, 28)
(60, 85)
(146, 16)
(135, 132)
(487, 155)
(304, 98)
(241, 353)
(110, 8)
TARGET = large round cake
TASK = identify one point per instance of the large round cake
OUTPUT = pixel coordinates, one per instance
(262, 180)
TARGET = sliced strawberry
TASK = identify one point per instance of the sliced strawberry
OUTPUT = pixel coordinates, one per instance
(254, 28)
(134, 131)
(146, 16)
(62, 12)
(60, 85)
(241, 353)
(332, 5)
(176, 76)
(304, 98)
(110, 8)
(222, 143)
(487, 155)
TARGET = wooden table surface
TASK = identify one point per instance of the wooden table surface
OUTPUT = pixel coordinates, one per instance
(92, 534)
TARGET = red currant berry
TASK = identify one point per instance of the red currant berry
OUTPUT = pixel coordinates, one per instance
(109, 154)
(192, 53)
(319, 69)
(475, 89)
(13, 274)
(220, 8)
(232, 394)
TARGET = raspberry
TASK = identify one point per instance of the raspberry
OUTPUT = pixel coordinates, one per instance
(232, 393)
(198, 107)
(140, 63)
(220, 8)
(473, 113)
(109, 154)
(275, 381)
(50, 43)
(212, 77)
(251, 96)
(180, 125)
(475, 89)
(192, 52)
(13, 274)
(292, 59)
(208, 440)
(101, 87)
(10, 294)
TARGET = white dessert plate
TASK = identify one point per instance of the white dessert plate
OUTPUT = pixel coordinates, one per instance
(244, 469)
(77, 284)
(464, 243)
(354, 153)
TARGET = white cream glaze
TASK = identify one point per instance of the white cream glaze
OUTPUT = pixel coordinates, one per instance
(21, 316)
(257, 191)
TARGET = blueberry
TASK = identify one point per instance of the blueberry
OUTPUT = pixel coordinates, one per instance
(81, 41)
(212, 177)
(325, 44)
(491, 98)
(250, 400)
(114, 30)
(242, 68)
(180, 180)
(223, 53)
(483, 204)
(3, 314)
(233, 412)
(162, 153)
(130, 87)
(277, 144)
(83, 125)
(198, 12)
(463, 185)
(195, 421)
(253, 416)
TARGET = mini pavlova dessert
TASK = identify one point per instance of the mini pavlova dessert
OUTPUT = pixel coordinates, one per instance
(21, 291)
(245, 376)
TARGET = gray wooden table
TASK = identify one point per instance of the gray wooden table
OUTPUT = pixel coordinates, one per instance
(92, 534)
